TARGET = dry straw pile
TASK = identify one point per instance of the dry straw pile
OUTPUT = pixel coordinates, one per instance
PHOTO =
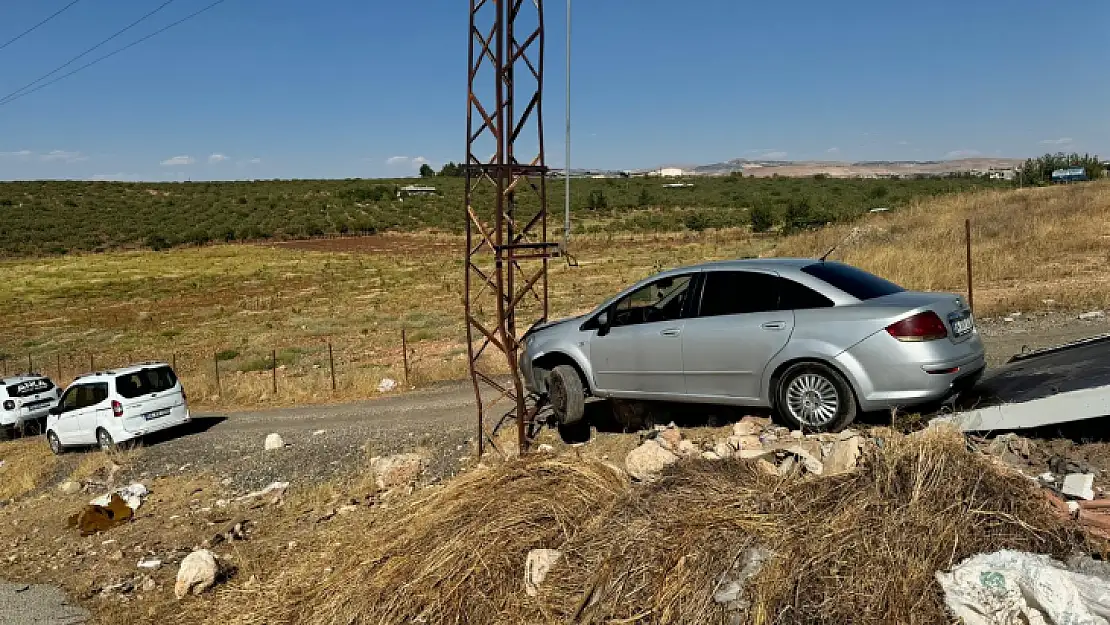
(858, 548)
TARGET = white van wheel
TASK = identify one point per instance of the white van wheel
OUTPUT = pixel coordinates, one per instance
(104, 439)
(55, 443)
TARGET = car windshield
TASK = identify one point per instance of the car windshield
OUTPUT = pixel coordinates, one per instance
(855, 282)
(145, 382)
(30, 387)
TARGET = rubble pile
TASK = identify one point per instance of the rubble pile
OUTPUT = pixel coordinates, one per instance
(776, 450)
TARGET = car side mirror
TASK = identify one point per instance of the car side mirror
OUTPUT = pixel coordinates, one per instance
(56, 410)
(603, 324)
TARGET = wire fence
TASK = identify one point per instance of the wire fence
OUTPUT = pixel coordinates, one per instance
(243, 376)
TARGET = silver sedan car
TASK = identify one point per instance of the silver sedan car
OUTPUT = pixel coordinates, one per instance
(817, 341)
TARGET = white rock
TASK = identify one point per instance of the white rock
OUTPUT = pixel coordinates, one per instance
(273, 441)
(536, 567)
(149, 585)
(723, 449)
(749, 426)
(273, 488)
(1094, 314)
(197, 573)
(544, 448)
(387, 385)
(346, 509)
(751, 454)
(687, 449)
(69, 487)
(319, 432)
(812, 465)
(646, 461)
(669, 437)
(400, 470)
(1008, 319)
(1079, 485)
(153, 564)
(710, 455)
(843, 457)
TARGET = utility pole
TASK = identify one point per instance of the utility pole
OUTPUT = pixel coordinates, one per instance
(566, 208)
(507, 247)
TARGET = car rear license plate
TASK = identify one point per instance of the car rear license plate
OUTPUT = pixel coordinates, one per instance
(157, 414)
(962, 323)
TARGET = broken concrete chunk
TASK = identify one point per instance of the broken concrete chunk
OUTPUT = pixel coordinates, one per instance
(646, 461)
(766, 466)
(133, 495)
(398, 471)
(197, 573)
(688, 449)
(1094, 314)
(751, 454)
(710, 455)
(669, 438)
(843, 456)
(1079, 485)
(387, 385)
(273, 441)
(536, 567)
(750, 426)
(69, 487)
(808, 460)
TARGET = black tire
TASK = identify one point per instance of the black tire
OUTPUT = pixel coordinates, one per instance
(104, 440)
(566, 394)
(577, 432)
(795, 385)
(55, 443)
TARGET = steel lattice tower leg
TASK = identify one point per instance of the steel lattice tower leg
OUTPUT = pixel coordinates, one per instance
(507, 250)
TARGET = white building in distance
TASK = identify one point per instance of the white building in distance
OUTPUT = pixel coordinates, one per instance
(669, 172)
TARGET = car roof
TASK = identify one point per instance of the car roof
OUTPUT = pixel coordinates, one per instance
(751, 264)
(111, 373)
(21, 377)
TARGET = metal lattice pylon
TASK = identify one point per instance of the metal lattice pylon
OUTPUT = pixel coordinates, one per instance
(507, 251)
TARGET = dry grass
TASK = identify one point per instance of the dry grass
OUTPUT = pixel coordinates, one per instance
(245, 301)
(28, 463)
(860, 548)
(1029, 246)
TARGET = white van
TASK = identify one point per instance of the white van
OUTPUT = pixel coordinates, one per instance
(112, 407)
(26, 397)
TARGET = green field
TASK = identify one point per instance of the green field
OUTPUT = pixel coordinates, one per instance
(56, 217)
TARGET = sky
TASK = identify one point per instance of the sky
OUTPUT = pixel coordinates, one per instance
(368, 88)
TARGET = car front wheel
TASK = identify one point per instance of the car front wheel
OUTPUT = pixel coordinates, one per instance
(814, 397)
(566, 394)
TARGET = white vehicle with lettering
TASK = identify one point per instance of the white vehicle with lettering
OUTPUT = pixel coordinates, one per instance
(114, 407)
(25, 398)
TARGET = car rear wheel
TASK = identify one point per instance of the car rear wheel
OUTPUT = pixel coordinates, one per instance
(104, 439)
(566, 394)
(55, 443)
(814, 397)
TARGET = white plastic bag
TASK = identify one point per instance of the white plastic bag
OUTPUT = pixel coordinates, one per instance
(1012, 587)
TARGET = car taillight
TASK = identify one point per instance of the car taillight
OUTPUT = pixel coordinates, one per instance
(9, 405)
(925, 326)
(117, 408)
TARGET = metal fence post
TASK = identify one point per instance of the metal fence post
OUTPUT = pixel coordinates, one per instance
(30, 364)
(216, 358)
(92, 366)
(273, 368)
(331, 364)
(970, 289)
(59, 367)
(405, 354)
(173, 361)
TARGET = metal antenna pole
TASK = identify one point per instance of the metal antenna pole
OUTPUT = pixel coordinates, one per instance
(566, 207)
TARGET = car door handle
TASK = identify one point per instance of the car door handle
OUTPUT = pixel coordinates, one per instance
(774, 325)
(671, 332)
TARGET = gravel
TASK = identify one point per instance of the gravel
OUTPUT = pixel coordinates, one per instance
(23, 604)
(440, 421)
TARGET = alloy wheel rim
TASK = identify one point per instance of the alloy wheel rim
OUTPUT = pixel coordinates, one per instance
(812, 400)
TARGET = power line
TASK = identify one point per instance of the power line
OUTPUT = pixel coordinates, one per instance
(36, 26)
(9, 97)
(12, 97)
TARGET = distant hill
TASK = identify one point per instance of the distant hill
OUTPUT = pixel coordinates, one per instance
(844, 169)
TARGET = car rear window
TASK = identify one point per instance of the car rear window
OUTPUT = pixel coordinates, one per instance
(145, 382)
(27, 388)
(855, 282)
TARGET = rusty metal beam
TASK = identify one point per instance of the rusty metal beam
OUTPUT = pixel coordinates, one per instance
(501, 238)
